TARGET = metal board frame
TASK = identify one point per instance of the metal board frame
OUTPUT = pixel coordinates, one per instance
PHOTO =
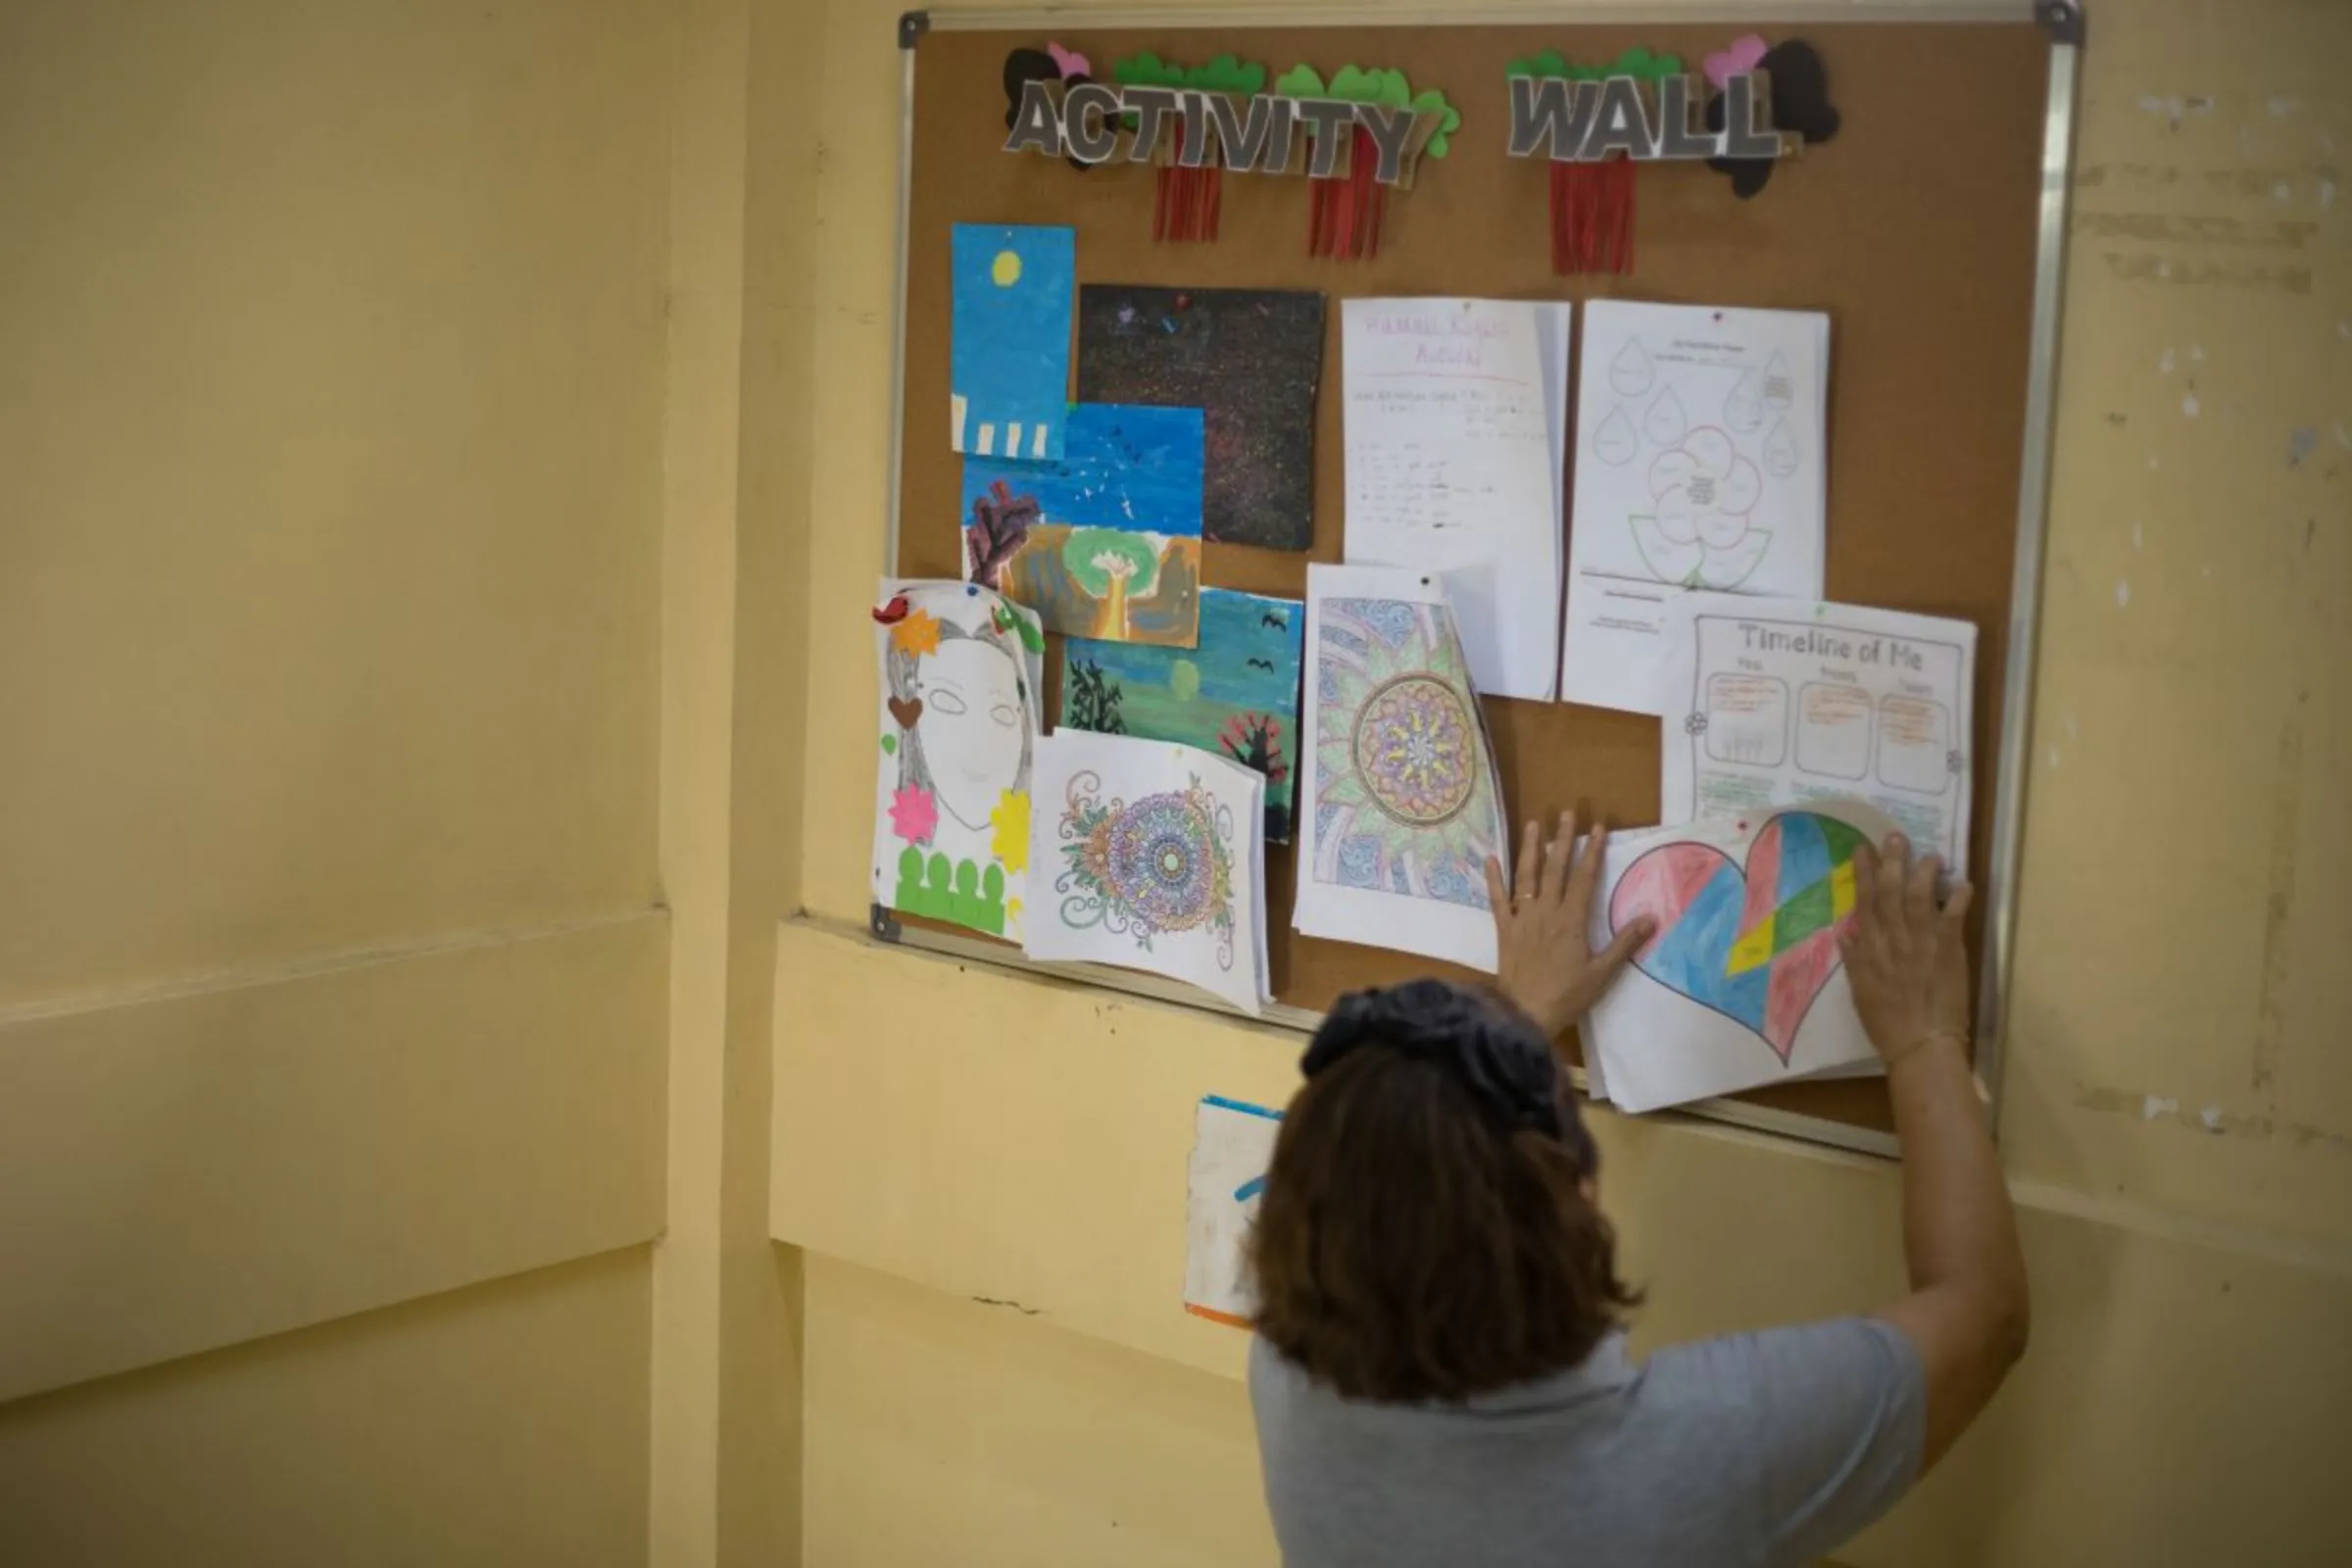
(2065, 23)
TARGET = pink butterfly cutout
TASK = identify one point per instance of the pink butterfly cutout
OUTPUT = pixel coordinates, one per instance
(1069, 63)
(1742, 54)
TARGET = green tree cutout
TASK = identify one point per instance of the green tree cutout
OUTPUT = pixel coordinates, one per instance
(1388, 89)
(1225, 74)
(1636, 62)
(1146, 70)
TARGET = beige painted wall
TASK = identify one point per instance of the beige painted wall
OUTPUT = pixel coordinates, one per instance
(987, 1171)
(331, 960)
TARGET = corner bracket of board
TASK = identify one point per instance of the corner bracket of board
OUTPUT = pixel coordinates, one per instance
(2063, 20)
(913, 24)
(883, 923)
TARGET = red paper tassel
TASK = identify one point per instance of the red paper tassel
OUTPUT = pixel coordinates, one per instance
(1593, 217)
(1345, 213)
(1189, 203)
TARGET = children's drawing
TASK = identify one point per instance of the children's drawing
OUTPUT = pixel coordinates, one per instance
(1148, 867)
(1743, 983)
(1704, 425)
(1009, 375)
(1104, 543)
(1250, 361)
(1232, 1145)
(1699, 533)
(959, 719)
(1236, 694)
(1777, 703)
(1405, 799)
(1757, 942)
(1153, 853)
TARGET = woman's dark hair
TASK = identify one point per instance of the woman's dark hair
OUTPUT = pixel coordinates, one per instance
(1424, 1233)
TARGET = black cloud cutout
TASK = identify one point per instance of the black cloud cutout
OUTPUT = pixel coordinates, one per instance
(1800, 102)
(1023, 67)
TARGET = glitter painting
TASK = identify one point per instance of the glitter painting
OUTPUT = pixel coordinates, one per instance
(1249, 359)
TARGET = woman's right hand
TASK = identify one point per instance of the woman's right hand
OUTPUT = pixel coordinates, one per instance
(1907, 958)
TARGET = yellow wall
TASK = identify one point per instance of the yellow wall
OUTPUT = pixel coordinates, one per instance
(987, 1171)
(429, 433)
(332, 965)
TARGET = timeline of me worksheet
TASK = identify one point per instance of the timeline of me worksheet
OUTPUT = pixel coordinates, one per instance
(1776, 703)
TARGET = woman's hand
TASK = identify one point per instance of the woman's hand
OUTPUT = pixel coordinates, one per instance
(1906, 957)
(1548, 967)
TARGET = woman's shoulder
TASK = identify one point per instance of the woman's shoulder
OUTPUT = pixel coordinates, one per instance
(1742, 1367)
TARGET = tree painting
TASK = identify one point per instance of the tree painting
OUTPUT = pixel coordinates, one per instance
(1104, 543)
(1254, 740)
(999, 526)
(1237, 693)
(1109, 565)
(1090, 700)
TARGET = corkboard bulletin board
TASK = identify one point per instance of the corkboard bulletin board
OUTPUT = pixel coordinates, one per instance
(1915, 229)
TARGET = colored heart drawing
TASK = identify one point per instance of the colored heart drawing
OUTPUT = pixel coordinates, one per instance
(907, 710)
(1741, 54)
(1755, 944)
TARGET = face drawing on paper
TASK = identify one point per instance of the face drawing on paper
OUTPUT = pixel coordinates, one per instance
(1160, 865)
(1697, 533)
(968, 742)
(1755, 943)
(1404, 801)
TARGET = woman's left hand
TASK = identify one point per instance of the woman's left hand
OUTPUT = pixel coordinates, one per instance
(1548, 967)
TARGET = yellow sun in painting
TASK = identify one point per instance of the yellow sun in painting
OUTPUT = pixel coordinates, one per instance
(1006, 270)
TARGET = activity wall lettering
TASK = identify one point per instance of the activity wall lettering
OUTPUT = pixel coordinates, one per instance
(1364, 132)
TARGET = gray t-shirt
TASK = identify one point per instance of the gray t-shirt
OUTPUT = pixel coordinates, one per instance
(1755, 1449)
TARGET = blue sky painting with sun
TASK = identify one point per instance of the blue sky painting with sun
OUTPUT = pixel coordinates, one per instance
(1009, 374)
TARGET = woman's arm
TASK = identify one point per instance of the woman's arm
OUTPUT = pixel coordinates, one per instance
(1967, 1311)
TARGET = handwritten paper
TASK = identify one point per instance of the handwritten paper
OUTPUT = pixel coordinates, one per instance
(1455, 414)
(1699, 465)
(1776, 701)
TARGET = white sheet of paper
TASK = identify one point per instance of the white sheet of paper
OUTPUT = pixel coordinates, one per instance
(1399, 805)
(1772, 702)
(1233, 1143)
(1143, 855)
(958, 713)
(1699, 465)
(1455, 414)
(1740, 987)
